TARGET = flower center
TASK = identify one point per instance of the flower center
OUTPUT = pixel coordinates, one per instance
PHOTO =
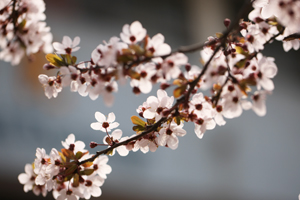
(169, 131)
(132, 38)
(105, 124)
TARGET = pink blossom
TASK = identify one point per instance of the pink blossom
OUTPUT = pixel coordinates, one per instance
(67, 46)
(133, 33)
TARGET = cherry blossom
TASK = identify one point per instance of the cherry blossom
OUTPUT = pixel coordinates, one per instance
(155, 106)
(288, 44)
(67, 194)
(157, 46)
(73, 145)
(203, 124)
(101, 167)
(133, 33)
(27, 178)
(67, 46)
(116, 137)
(51, 86)
(105, 55)
(267, 69)
(168, 135)
(23, 30)
(234, 70)
(146, 71)
(103, 124)
(259, 103)
(92, 186)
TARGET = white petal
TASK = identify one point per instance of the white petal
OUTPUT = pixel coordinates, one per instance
(180, 132)
(58, 46)
(76, 41)
(145, 86)
(114, 125)
(267, 84)
(100, 117)
(117, 134)
(70, 139)
(172, 142)
(67, 42)
(122, 150)
(210, 124)
(23, 178)
(28, 169)
(96, 126)
(111, 117)
(43, 79)
(162, 138)
(96, 192)
(148, 114)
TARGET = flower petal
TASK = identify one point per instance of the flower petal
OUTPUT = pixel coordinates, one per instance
(111, 117)
(100, 117)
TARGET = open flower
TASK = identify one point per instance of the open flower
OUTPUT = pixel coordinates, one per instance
(133, 33)
(116, 137)
(67, 46)
(27, 178)
(168, 135)
(104, 124)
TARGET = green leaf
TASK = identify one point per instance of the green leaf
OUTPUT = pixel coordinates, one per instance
(74, 59)
(137, 121)
(62, 157)
(55, 60)
(78, 155)
(68, 153)
(179, 91)
(87, 172)
(137, 49)
(71, 169)
(75, 180)
(177, 120)
(87, 164)
(138, 129)
(133, 74)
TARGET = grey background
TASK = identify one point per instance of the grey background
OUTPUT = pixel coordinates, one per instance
(250, 157)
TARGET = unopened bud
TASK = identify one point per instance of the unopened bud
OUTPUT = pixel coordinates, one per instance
(136, 90)
(164, 86)
(227, 22)
(48, 67)
(187, 67)
(93, 144)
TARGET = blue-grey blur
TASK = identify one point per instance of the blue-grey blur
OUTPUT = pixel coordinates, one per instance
(250, 158)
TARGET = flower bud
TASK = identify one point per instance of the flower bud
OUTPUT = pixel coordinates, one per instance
(227, 22)
(93, 144)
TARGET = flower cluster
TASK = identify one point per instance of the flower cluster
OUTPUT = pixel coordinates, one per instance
(135, 56)
(271, 14)
(63, 173)
(235, 76)
(23, 30)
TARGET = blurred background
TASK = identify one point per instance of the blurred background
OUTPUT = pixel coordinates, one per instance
(250, 157)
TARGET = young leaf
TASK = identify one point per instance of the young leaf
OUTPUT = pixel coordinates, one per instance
(62, 157)
(87, 172)
(138, 129)
(78, 155)
(68, 153)
(55, 60)
(75, 180)
(137, 121)
(179, 91)
(71, 169)
(87, 164)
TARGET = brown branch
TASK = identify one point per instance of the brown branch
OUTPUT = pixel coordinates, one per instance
(186, 96)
